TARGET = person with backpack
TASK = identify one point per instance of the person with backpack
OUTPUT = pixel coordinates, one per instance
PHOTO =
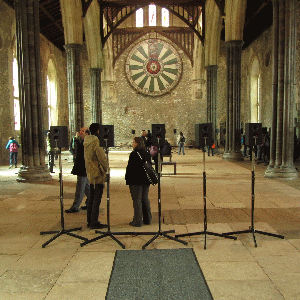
(13, 147)
(181, 142)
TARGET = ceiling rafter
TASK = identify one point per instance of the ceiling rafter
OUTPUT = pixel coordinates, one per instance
(258, 15)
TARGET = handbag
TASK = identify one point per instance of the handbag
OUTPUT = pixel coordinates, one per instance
(150, 172)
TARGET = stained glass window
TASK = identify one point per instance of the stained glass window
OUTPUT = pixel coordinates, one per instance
(152, 15)
(164, 17)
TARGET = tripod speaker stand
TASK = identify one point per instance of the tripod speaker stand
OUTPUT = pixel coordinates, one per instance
(160, 232)
(63, 230)
(251, 228)
(205, 232)
(108, 233)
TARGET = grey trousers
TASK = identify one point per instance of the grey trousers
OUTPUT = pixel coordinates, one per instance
(141, 204)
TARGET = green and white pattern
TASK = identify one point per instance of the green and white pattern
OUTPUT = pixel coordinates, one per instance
(153, 67)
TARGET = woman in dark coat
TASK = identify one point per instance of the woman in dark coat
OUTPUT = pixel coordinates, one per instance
(138, 183)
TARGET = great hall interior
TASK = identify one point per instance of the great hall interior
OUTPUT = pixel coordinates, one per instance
(132, 64)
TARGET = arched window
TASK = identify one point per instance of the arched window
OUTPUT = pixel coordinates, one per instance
(52, 94)
(165, 17)
(152, 12)
(139, 18)
(255, 96)
(152, 15)
(16, 95)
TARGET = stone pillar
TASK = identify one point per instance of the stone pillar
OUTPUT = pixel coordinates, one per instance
(284, 62)
(96, 103)
(211, 95)
(75, 87)
(33, 167)
(233, 123)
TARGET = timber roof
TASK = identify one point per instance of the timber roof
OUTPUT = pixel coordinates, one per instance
(258, 17)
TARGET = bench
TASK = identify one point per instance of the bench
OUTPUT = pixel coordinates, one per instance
(170, 156)
(169, 163)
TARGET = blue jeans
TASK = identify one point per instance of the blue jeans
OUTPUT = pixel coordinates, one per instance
(13, 158)
(181, 148)
(141, 204)
(82, 187)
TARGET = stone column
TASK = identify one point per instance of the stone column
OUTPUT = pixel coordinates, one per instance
(96, 102)
(211, 95)
(233, 123)
(75, 87)
(33, 167)
(284, 62)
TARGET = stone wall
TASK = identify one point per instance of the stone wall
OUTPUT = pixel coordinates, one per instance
(133, 111)
(7, 17)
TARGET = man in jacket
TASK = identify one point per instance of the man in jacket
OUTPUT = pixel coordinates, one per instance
(82, 185)
(96, 167)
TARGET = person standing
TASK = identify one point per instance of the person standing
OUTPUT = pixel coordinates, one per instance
(96, 167)
(13, 147)
(138, 183)
(181, 142)
(51, 153)
(82, 185)
(74, 143)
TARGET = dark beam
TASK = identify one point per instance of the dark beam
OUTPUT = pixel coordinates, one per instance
(51, 18)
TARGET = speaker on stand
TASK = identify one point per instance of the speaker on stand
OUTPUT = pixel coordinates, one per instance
(59, 139)
(106, 139)
(204, 133)
(253, 136)
(158, 139)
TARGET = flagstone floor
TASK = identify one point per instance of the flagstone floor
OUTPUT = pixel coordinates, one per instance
(234, 269)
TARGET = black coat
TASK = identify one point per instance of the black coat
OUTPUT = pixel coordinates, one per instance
(135, 173)
(79, 164)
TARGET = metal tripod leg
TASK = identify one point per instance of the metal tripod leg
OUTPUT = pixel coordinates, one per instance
(251, 228)
(63, 230)
(108, 233)
(205, 232)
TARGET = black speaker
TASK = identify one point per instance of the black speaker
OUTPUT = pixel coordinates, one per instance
(252, 131)
(203, 135)
(59, 136)
(265, 130)
(175, 130)
(158, 134)
(133, 131)
(106, 135)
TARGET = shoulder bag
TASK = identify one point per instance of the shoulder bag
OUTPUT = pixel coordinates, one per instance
(150, 172)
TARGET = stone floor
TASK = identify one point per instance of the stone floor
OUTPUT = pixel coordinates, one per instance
(233, 269)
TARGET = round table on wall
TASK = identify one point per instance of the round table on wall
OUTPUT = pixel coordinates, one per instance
(153, 67)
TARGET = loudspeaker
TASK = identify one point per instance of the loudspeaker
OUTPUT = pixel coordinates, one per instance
(203, 135)
(175, 130)
(133, 131)
(106, 135)
(59, 136)
(265, 130)
(253, 130)
(158, 134)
